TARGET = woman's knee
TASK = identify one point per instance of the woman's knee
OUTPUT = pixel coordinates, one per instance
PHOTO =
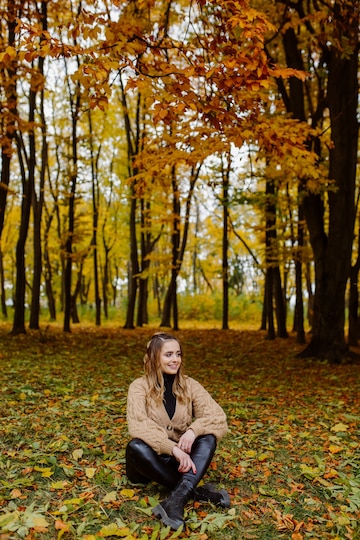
(140, 451)
(135, 446)
(209, 440)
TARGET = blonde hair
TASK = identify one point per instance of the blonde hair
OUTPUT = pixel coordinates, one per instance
(154, 373)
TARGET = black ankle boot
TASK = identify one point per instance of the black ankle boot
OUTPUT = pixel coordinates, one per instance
(208, 493)
(171, 510)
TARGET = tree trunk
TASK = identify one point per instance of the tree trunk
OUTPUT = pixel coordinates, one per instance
(133, 147)
(295, 105)
(8, 121)
(37, 270)
(333, 253)
(2, 286)
(75, 101)
(38, 201)
(280, 304)
(48, 270)
(299, 302)
(353, 332)
(269, 309)
(169, 303)
(133, 263)
(225, 244)
(146, 248)
(95, 203)
(19, 311)
(105, 280)
(274, 288)
(178, 248)
(73, 309)
(28, 190)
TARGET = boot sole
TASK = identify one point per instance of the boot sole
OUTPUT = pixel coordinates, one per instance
(225, 502)
(160, 513)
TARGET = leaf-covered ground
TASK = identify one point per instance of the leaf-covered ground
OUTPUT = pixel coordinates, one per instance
(291, 460)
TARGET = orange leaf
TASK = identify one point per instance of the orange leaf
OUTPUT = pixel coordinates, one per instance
(60, 525)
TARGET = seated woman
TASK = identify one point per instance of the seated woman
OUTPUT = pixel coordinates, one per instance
(174, 426)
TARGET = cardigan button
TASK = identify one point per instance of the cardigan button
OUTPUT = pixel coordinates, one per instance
(169, 428)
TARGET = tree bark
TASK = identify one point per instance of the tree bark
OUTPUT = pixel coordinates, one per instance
(95, 202)
(133, 272)
(2, 286)
(28, 182)
(274, 288)
(9, 120)
(133, 147)
(74, 102)
(169, 303)
(38, 199)
(225, 244)
(333, 251)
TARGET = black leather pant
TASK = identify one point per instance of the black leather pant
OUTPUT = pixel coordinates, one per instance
(144, 465)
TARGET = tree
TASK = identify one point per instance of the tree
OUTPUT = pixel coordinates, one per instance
(95, 191)
(38, 197)
(178, 243)
(332, 245)
(27, 163)
(8, 69)
(74, 95)
(225, 173)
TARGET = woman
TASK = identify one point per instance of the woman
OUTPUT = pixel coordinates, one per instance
(174, 425)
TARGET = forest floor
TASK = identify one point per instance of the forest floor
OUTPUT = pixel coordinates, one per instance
(291, 459)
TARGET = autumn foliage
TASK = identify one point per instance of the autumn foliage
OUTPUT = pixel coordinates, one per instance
(140, 139)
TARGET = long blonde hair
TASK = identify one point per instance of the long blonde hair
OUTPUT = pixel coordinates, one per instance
(154, 373)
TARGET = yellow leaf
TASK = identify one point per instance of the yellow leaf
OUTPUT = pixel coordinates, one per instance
(36, 521)
(76, 500)
(110, 496)
(340, 427)
(59, 485)
(46, 472)
(114, 530)
(90, 472)
(335, 449)
(77, 454)
(127, 492)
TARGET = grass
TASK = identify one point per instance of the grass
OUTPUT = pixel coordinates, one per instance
(290, 460)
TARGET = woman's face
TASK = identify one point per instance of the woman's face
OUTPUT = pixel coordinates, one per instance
(170, 357)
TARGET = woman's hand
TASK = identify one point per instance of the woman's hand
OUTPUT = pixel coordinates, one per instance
(186, 441)
(185, 461)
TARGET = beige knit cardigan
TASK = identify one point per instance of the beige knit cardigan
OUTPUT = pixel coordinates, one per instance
(149, 421)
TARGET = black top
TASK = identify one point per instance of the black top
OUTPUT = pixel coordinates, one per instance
(169, 398)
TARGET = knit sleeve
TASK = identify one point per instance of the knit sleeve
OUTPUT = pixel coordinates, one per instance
(140, 425)
(209, 417)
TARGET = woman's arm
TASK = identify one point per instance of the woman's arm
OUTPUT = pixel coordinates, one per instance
(140, 425)
(209, 417)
